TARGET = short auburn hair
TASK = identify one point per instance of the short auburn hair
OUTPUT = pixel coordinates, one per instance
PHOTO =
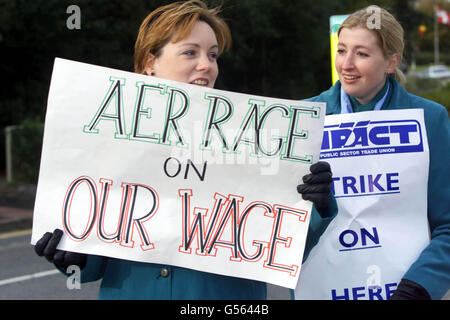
(173, 22)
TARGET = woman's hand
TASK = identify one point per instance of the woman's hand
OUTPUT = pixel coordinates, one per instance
(46, 246)
(316, 186)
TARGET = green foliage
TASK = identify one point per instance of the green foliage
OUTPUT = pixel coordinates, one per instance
(437, 90)
(441, 95)
(280, 47)
(26, 150)
(418, 85)
(427, 57)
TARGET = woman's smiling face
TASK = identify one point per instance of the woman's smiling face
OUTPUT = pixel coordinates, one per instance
(361, 64)
(190, 60)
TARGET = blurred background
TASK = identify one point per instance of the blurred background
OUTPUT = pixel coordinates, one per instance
(281, 48)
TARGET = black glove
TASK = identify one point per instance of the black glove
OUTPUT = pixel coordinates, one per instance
(46, 246)
(409, 290)
(316, 186)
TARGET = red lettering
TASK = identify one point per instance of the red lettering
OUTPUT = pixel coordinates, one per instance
(277, 239)
(139, 204)
(225, 214)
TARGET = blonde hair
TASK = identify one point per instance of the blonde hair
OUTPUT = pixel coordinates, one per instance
(390, 33)
(177, 18)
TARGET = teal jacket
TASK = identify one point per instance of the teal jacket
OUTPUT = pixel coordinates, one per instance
(432, 269)
(123, 279)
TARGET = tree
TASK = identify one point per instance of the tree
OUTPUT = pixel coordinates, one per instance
(280, 47)
(426, 42)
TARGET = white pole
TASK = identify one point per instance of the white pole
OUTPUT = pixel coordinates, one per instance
(436, 37)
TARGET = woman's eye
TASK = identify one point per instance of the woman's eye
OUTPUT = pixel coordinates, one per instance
(213, 55)
(340, 51)
(362, 54)
(189, 52)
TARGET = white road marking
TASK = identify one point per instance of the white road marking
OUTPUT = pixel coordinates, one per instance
(29, 277)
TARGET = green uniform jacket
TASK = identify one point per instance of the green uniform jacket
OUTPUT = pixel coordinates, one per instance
(123, 279)
(432, 269)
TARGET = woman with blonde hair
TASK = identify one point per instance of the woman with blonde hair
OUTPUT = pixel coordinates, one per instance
(409, 264)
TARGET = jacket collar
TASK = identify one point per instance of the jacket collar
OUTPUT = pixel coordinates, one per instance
(399, 99)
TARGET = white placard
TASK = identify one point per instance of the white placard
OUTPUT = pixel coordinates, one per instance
(379, 161)
(151, 170)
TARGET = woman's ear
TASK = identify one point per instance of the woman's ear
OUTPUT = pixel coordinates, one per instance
(149, 70)
(394, 61)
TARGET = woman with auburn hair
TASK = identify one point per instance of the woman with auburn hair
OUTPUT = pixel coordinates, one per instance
(173, 23)
(408, 264)
(181, 42)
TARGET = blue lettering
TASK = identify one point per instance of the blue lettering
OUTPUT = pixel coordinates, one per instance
(355, 292)
(366, 234)
(347, 125)
(351, 244)
(377, 293)
(381, 183)
(403, 131)
(362, 184)
(349, 239)
(340, 137)
(372, 293)
(376, 139)
(349, 182)
(390, 291)
(363, 123)
(334, 296)
(360, 138)
(325, 141)
(373, 183)
(390, 180)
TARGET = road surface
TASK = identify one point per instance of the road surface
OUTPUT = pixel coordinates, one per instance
(26, 276)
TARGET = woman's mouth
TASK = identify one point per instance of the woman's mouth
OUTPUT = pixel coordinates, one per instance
(350, 78)
(200, 82)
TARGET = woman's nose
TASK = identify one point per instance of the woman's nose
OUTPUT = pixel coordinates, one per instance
(204, 63)
(348, 62)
